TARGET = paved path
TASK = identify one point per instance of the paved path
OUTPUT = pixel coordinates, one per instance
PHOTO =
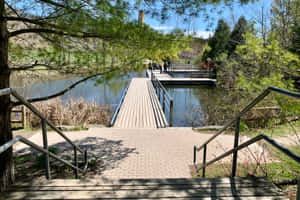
(141, 107)
(141, 153)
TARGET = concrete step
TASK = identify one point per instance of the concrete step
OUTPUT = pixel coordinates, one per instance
(218, 188)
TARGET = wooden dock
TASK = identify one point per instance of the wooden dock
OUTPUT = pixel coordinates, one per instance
(141, 107)
(167, 79)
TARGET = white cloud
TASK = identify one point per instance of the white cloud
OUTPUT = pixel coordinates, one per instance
(200, 34)
(163, 28)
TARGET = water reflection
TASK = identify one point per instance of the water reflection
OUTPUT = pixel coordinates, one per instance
(192, 104)
(99, 89)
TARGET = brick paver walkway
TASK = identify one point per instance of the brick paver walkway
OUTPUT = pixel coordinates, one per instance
(141, 153)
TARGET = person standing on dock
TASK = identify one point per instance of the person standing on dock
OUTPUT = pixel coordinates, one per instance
(165, 66)
(208, 64)
(160, 68)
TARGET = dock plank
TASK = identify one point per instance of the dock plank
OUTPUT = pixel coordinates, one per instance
(140, 108)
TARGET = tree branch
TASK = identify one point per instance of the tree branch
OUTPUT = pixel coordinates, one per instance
(32, 21)
(32, 100)
(27, 67)
(58, 32)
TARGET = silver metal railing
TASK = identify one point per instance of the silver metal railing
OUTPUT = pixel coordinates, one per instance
(45, 122)
(238, 147)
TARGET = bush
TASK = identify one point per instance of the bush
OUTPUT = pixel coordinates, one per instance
(74, 112)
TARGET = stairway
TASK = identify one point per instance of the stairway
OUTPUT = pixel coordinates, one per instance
(217, 188)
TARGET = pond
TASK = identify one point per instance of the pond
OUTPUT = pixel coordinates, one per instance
(99, 90)
(191, 103)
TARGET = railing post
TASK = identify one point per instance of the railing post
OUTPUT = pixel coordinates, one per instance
(163, 102)
(236, 144)
(171, 113)
(195, 155)
(75, 163)
(45, 143)
(85, 157)
(24, 116)
(159, 93)
(204, 161)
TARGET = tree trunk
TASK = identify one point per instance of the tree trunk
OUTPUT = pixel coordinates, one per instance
(6, 158)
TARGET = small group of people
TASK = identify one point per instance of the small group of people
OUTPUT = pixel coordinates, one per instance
(163, 66)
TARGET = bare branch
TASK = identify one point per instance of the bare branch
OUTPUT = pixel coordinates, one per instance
(58, 32)
(62, 92)
(27, 67)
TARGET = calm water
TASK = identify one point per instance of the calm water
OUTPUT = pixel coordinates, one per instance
(99, 90)
(191, 104)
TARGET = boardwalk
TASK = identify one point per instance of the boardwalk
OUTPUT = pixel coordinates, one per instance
(141, 107)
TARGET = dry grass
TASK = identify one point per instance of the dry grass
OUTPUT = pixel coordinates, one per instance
(74, 112)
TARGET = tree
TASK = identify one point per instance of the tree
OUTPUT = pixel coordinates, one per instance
(285, 16)
(295, 41)
(67, 29)
(219, 41)
(237, 35)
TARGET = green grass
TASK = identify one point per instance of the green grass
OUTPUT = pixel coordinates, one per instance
(280, 130)
(283, 168)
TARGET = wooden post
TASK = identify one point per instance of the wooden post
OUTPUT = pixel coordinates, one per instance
(236, 144)
(45, 142)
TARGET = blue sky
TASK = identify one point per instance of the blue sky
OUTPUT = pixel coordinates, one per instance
(204, 27)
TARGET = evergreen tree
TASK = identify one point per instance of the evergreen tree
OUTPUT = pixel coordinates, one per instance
(219, 41)
(236, 38)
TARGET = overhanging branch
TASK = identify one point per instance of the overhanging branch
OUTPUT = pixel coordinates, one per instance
(32, 100)
(28, 67)
(62, 92)
(58, 32)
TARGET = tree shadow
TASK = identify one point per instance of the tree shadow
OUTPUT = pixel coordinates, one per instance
(103, 154)
(180, 188)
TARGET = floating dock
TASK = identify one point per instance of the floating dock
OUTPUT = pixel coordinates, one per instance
(167, 79)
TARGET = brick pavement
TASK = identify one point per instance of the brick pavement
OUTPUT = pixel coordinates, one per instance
(141, 153)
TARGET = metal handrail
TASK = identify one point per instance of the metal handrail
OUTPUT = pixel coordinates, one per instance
(167, 99)
(238, 147)
(153, 78)
(247, 108)
(9, 91)
(19, 138)
(283, 149)
(114, 117)
(234, 150)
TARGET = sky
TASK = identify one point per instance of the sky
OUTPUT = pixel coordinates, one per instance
(204, 27)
